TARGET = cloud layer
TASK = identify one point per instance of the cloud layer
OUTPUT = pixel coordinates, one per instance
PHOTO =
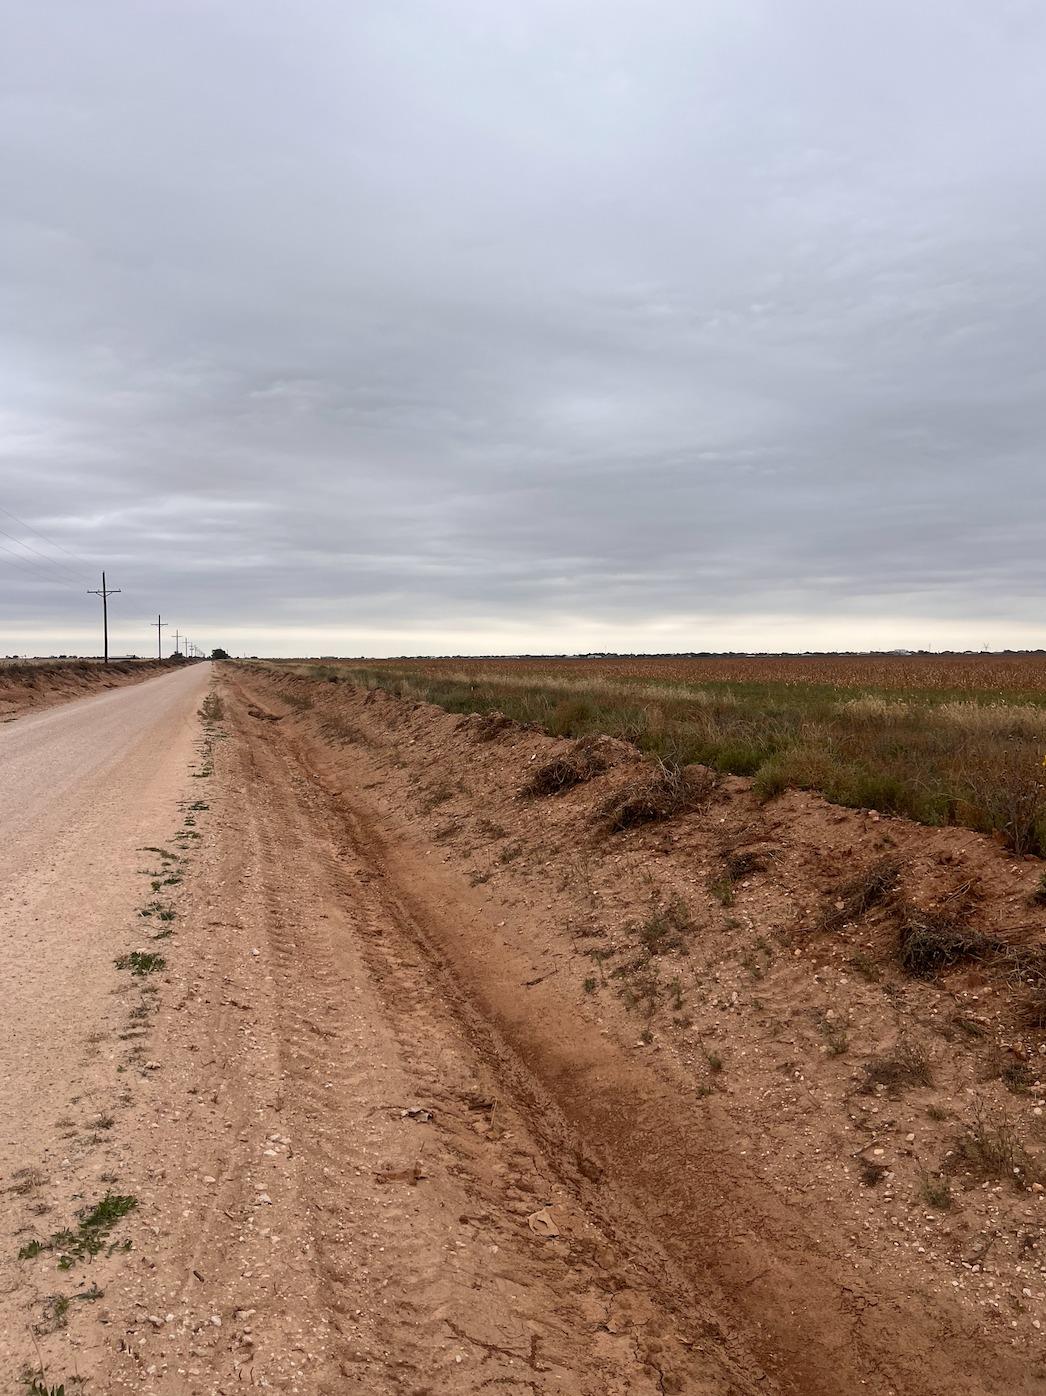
(433, 325)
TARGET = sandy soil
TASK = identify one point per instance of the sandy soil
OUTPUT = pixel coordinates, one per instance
(84, 785)
(405, 1111)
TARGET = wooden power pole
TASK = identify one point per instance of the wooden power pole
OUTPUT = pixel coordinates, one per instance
(160, 625)
(105, 594)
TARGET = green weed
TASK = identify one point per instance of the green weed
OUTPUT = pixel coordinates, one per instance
(90, 1235)
(141, 962)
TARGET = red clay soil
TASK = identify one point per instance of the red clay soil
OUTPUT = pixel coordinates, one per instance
(840, 1163)
(29, 685)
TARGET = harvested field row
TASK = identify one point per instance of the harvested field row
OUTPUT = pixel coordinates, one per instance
(974, 675)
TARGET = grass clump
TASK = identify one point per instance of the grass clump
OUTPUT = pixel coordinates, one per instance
(936, 1191)
(160, 910)
(990, 1148)
(212, 708)
(743, 862)
(666, 791)
(931, 941)
(40, 1386)
(89, 1237)
(641, 986)
(872, 1172)
(141, 962)
(722, 888)
(906, 1066)
(873, 887)
(836, 1041)
(666, 928)
(581, 763)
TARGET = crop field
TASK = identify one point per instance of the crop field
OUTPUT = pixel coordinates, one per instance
(944, 739)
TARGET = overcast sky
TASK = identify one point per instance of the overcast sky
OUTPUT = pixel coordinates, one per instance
(451, 325)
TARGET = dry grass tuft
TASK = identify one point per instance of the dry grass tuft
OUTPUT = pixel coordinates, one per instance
(906, 1066)
(665, 792)
(990, 1148)
(670, 927)
(743, 862)
(873, 887)
(585, 759)
(931, 941)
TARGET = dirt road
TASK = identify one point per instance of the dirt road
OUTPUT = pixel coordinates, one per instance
(82, 787)
(369, 1142)
(328, 1187)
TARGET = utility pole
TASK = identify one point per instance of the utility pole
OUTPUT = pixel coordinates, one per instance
(105, 594)
(160, 625)
(177, 637)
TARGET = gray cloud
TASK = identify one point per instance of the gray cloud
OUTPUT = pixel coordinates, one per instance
(440, 325)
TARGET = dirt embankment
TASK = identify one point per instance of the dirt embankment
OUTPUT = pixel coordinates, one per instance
(839, 1158)
(27, 686)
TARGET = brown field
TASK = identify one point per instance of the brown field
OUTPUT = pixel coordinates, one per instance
(975, 674)
(943, 739)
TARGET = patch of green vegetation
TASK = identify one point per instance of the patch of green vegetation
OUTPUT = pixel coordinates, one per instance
(212, 709)
(89, 1237)
(942, 755)
(39, 1386)
(722, 888)
(670, 927)
(161, 910)
(141, 962)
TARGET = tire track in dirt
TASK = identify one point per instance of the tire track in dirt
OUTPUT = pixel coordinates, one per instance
(473, 1298)
(791, 1301)
(345, 1187)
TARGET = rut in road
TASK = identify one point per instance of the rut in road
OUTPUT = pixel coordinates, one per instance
(368, 1192)
(367, 1033)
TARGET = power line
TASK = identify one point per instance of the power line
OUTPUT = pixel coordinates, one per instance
(61, 548)
(23, 568)
(27, 562)
(58, 566)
